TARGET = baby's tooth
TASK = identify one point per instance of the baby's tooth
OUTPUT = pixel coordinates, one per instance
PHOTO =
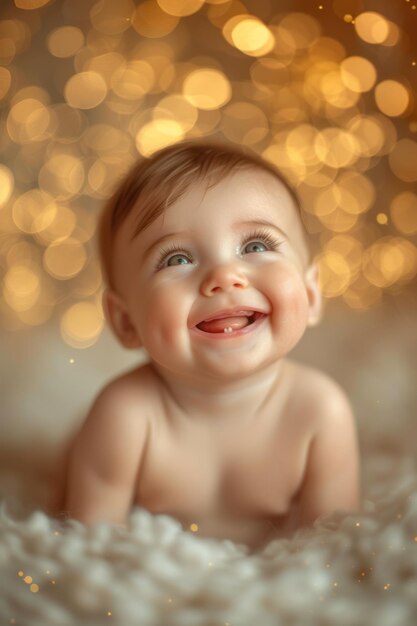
(228, 329)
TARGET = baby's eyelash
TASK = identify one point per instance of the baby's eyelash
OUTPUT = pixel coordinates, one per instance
(166, 252)
(265, 236)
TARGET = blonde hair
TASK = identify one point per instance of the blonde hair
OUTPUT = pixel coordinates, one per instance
(153, 184)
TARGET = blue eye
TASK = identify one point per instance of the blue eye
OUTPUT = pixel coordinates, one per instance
(259, 241)
(178, 259)
(173, 256)
(254, 246)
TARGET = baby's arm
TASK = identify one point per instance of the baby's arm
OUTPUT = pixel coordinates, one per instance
(104, 460)
(332, 474)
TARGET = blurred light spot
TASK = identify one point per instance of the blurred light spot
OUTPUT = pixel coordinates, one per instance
(336, 147)
(372, 27)
(335, 274)
(298, 30)
(394, 35)
(208, 122)
(133, 81)
(150, 20)
(338, 220)
(249, 35)
(105, 139)
(369, 134)
(322, 177)
(7, 50)
(176, 108)
(62, 176)
(21, 287)
(34, 211)
(389, 260)
(85, 90)
(70, 123)
(6, 184)
(158, 134)
(61, 227)
(360, 193)
(65, 260)
(106, 172)
(105, 65)
(358, 74)
(81, 325)
(244, 123)
(65, 41)
(392, 97)
(31, 91)
(5, 81)
(339, 195)
(289, 161)
(403, 160)
(207, 88)
(300, 145)
(34, 588)
(180, 8)
(41, 311)
(28, 120)
(86, 225)
(348, 18)
(89, 281)
(22, 253)
(348, 247)
(361, 295)
(31, 4)
(112, 18)
(403, 211)
(382, 218)
(335, 91)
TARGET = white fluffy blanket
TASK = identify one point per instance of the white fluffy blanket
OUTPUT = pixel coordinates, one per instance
(348, 570)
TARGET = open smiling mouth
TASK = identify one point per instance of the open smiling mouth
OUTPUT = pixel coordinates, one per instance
(230, 323)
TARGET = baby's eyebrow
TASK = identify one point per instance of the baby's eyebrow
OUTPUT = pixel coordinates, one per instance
(261, 222)
(160, 241)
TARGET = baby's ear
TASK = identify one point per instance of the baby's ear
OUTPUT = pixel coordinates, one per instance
(314, 294)
(119, 320)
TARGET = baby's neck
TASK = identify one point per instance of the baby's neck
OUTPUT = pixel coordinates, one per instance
(238, 399)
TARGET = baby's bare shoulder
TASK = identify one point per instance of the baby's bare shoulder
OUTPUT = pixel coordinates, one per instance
(116, 429)
(122, 407)
(131, 391)
(321, 396)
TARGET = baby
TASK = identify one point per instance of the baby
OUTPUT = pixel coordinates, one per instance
(208, 268)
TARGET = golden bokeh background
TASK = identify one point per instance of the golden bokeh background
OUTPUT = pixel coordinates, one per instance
(324, 90)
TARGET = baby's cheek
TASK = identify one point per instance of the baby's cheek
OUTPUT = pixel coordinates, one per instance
(164, 316)
(290, 304)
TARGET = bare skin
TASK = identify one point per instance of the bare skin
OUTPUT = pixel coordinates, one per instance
(220, 429)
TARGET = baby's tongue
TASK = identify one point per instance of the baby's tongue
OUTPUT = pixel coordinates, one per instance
(218, 325)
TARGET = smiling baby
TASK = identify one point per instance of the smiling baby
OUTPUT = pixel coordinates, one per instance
(208, 268)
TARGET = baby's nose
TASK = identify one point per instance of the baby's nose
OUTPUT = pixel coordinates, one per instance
(223, 278)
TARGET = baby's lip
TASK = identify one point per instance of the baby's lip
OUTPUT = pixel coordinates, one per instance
(237, 312)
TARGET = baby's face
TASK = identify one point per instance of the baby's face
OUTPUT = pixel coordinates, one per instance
(217, 286)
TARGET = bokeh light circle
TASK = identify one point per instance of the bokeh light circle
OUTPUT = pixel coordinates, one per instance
(207, 88)
(85, 90)
(81, 324)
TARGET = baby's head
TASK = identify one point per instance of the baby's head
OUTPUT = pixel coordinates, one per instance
(193, 233)
(154, 184)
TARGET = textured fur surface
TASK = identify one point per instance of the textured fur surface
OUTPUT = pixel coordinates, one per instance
(348, 569)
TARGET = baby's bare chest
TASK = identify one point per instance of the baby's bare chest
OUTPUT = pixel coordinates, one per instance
(249, 473)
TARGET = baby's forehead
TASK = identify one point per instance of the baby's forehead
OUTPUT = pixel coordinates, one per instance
(245, 193)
